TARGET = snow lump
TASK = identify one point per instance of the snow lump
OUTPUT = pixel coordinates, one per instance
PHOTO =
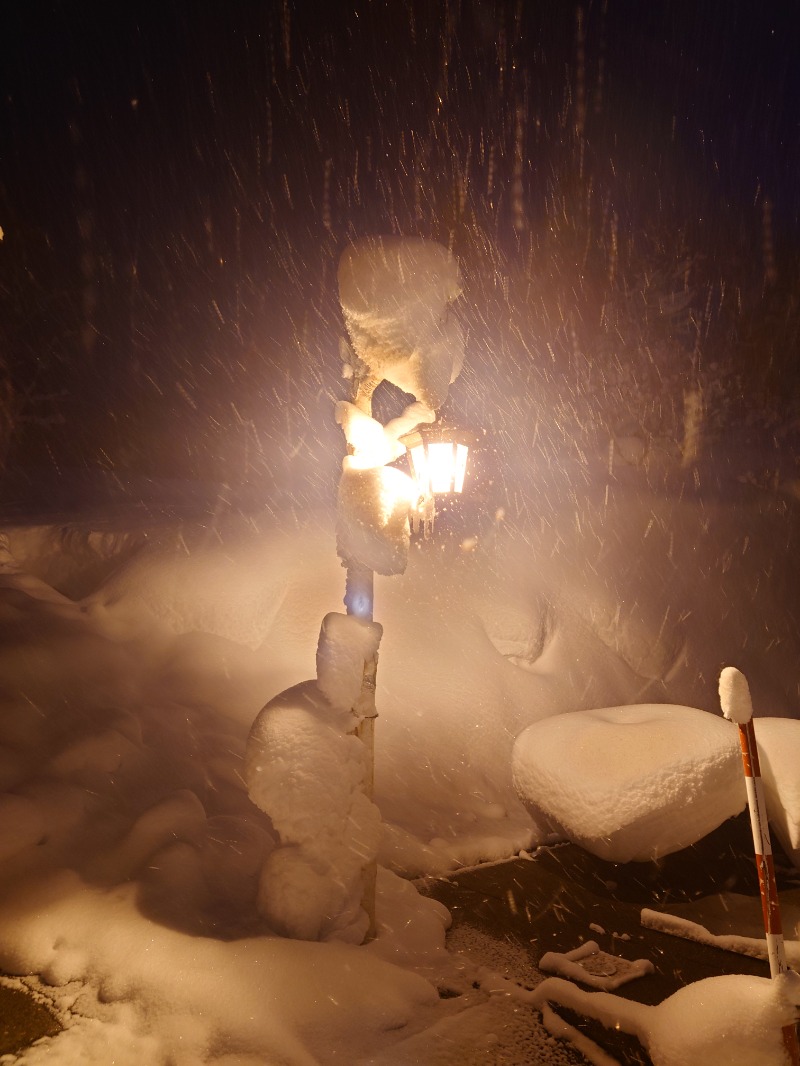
(306, 771)
(731, 1020)
(630, 784)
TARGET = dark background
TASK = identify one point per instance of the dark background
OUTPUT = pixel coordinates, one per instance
(178, 181)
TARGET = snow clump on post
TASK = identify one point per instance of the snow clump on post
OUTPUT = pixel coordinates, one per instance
(306, 770)
(734, 696)
(395, 294)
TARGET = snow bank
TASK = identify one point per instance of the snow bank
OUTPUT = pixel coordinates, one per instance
(631, 783)
(236, 616)
(132, 854)
(494, 648)
(676, 585)
(132, 858)
(247, 580)
(232, 612)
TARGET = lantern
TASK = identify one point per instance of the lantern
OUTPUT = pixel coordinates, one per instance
(438, 455)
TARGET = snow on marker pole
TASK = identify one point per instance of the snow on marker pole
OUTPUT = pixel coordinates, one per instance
(737, 706)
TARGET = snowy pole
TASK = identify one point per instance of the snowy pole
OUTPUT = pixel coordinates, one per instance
(395, 294)
(359, 600)
(737, 706)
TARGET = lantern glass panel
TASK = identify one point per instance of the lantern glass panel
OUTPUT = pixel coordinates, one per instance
(441, 462)
(462, 451)
(419, 466)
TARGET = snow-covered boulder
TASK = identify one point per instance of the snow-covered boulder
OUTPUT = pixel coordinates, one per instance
(630, 783)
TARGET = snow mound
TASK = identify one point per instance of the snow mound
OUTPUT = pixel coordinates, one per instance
(733, 1019)
(247, 580)
(305, 771)
(778, 742)
(178, 999)
(630, 783)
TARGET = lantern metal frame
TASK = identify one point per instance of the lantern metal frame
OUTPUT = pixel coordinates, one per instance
(439, 456)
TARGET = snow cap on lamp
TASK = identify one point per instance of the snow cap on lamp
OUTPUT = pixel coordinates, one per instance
(395, 294)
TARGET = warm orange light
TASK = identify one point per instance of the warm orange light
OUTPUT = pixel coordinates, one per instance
(439, 456)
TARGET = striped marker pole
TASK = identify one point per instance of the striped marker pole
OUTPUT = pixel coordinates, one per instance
(734, 694)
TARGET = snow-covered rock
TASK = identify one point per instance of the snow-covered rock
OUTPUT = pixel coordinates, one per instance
(630, 783)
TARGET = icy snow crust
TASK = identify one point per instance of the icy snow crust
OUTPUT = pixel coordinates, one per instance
(134, 861)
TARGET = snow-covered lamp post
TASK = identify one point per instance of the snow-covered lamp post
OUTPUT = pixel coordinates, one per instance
(395, 296)
(309, 756)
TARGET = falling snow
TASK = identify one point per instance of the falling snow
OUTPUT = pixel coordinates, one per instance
(612, 189)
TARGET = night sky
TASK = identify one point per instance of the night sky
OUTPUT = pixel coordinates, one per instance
(178, 180)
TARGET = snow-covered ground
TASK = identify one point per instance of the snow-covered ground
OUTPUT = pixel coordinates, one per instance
(131, 853)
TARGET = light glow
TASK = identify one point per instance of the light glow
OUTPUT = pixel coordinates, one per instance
(439, 466)
(441, 462)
